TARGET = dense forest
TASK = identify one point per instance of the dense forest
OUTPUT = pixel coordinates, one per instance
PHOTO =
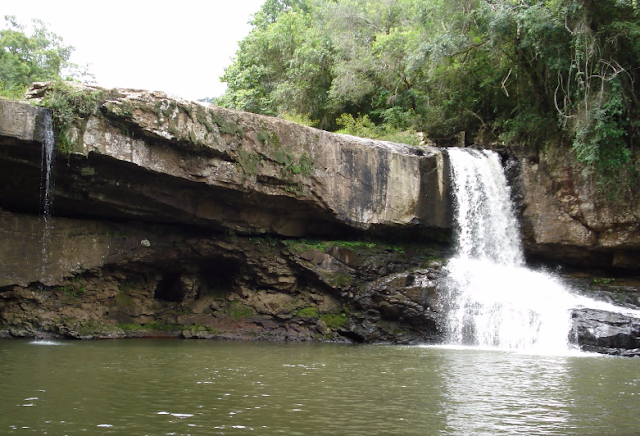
(536, 72)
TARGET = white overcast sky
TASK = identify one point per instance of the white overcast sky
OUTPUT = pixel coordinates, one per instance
(179, 47)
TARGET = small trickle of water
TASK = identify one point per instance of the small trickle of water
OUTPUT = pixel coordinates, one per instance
(46, 188)
(46, 177)
(493, 299)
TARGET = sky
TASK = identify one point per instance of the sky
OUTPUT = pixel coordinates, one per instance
(179, 47)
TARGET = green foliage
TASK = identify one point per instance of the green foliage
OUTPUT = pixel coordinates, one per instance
(299, 118)
(292, 165)
(201, 116)
(359, 126)
(282, 65)
(249, 162)
(24, 59)
(362, 126)
(306, 164)
(117, 234)
(603, 281)
(339, 279)
(263, 138)
(69, 105)
(151, 326)
(284, 156)
(600, 141)
(135, 327)
(12, 92)
(265, 241)
(302, 245)
(201, 328)
(75, 289)
(227, 127)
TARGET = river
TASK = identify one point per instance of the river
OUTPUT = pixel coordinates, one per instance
(184, 387)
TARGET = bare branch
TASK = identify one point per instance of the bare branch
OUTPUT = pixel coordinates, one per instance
(504, 81)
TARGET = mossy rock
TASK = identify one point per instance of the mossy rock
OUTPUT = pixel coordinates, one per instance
(335, 320)
(239, 310)
(249, 162)
(308, 312)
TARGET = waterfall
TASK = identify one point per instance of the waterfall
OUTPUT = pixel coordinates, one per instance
(46, 187)
(487, 227)
(493, 299)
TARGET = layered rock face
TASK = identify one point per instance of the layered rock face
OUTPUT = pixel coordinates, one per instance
(566, 219)
(148, 157)
(111, 279)
(171, 217)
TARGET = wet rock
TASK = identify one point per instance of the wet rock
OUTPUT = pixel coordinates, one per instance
(606, 332)
(395, 307)
(196, 285)
(621, 291)
(346, 256)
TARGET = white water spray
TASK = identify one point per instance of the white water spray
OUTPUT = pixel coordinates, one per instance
(494, 300)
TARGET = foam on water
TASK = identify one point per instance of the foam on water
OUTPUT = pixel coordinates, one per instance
(47, 342)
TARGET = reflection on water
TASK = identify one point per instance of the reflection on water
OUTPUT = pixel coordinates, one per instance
(506, 393)
(172, 387)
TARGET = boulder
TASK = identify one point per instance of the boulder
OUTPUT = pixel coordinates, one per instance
(606, 332)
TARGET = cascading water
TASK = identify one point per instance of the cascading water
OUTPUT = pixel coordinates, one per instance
(493, 299)
(46, 187)
(487, 228)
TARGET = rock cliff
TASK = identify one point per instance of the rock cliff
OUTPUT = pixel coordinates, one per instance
(181, 219)
(113, 279)
(566, 218)
(175, 218)
(145, 156)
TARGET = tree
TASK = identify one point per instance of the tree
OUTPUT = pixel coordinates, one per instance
(25, 59)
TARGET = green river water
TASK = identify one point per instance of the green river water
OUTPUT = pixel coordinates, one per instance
(182, 387)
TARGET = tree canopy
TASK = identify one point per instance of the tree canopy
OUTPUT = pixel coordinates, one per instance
(527, 71)
(25, 59)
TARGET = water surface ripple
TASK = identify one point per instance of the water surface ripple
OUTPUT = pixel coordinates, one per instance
(181, 387)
